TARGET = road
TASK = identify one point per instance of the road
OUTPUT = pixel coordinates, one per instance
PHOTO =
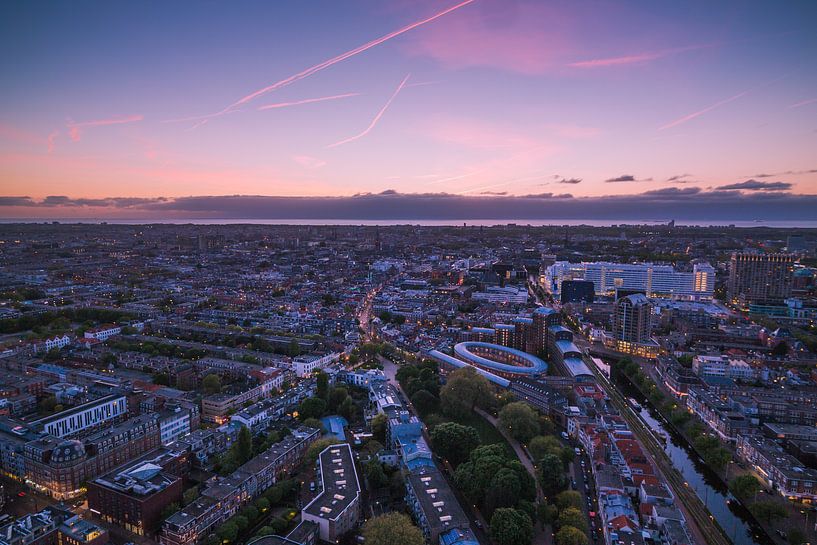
(541, 535)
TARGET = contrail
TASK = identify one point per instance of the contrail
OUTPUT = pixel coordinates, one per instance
(385, 107)
(75, 129)
(306, 101)
(699, 113)
(334, 60)
(803, 103)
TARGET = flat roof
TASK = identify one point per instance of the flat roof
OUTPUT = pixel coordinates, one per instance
(340, 484)
(437, 500)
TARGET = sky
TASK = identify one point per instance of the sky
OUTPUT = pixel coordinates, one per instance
(409, 109)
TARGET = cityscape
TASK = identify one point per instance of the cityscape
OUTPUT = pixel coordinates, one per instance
(440, 272)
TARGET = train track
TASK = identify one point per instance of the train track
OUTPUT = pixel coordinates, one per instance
(703, 519)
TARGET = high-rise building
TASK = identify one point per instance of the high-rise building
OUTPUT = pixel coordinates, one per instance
(574, 291)
(760, 278)
(654, 280)
(631, 321)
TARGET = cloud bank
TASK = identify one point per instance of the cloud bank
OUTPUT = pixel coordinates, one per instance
(691, 203)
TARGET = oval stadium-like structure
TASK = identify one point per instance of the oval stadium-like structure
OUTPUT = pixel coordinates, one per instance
(500, 360)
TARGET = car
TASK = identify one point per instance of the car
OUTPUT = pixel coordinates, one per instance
(21, 494)
(565, 436)
(478, 524)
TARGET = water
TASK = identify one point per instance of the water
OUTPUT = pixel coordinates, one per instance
(732, 516)
(802, 224)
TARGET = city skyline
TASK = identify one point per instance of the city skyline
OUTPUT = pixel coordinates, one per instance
(410, 110)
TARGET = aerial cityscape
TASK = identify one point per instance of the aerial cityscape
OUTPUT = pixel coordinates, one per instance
(440, 272)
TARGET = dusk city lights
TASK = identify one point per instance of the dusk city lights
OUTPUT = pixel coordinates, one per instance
(430, 272)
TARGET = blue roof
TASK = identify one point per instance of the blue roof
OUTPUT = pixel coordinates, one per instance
(458, 536)
(565, 346)
(450, 360)
(334, 426)
(544, 310)
(576, 367)
(536, 365)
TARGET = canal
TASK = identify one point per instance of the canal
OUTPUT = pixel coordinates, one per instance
(731, 515)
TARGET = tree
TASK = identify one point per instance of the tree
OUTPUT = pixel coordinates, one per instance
(511, 527)
(572, 517)
(552, 474)
(227, 531)
(265, 531)
(211, 384)
(768, 511)
(161, 379)
(251, 512)
(745, 486)
(569, 535)
(541, 445)
(315, 449)
(322, 385)
(243, 447)
(454, 441)
(379, 427)
(464, 390)
(169, 510)
(520, 420)
(392, 528)
(568, 498)
(375, 474)
(796, 536)
(424, 402)
(262, 504)
(313, 423)
(337, 396)
(190, 495)
(241, 522)
(311, 407)
(348, 409)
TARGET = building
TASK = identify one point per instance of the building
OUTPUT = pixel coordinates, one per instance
(780, 471)
(215, 407)
(52, 526)
(575, 291)
(83, 417)
(631, 321)
(103, 333)
(223, 497)
(654, 280)
(723, 366)
(307, 364)
(760, 278)
(174, 423)
(336, 508)
(134, 495)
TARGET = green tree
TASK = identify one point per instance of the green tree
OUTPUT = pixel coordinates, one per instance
(392, 528)
(745, 486)
(520, 420)
(337, 396)
(211, 384)
(311, 407)
(768, 511)
(375, 475)
(243, 447)
(190, 495)
(315, 449)
(265, 531)
(227, 531)
(574, 517)
(464, 390)
(454, 441)
(262, 504)
(568, 498)
(569, 535)
(541, 445)
(511, 527)
(424, 402)
(348, 409)
(552, 474)
(379, 427)
(313, 423)
(251, 512)
(322, 385)
(241, 522)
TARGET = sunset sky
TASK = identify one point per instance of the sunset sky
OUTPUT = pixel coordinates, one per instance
(579, 108)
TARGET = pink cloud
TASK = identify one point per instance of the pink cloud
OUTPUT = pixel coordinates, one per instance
(308, 161)
(523, 38)
(639, 58)
(75, 129)
(52, 137)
